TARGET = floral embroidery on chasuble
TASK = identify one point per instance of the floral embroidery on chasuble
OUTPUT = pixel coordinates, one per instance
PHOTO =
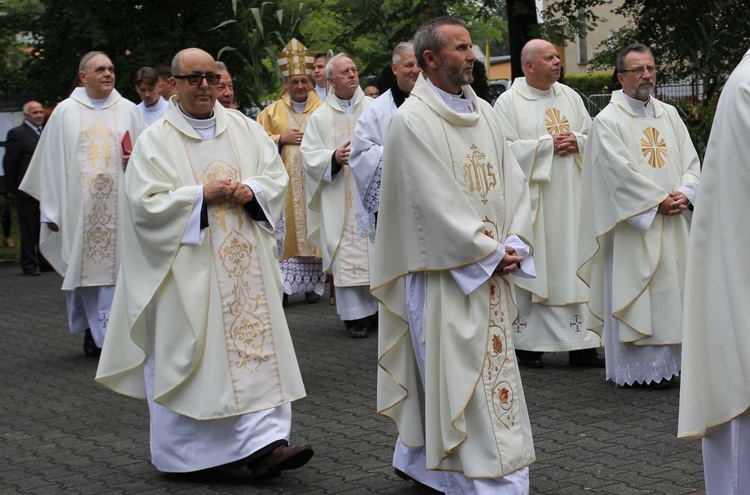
(100, 173)
(351, 265)
(296, 243)
(478, 173)
(248, 334)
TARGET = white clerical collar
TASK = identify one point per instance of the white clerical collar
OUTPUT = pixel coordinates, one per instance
(642, 109)
(541, 93)
(97, 104)
(299, 106)
(206, 128)
(346, 105)
(457, 103)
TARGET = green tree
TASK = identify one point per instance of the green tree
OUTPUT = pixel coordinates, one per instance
(260, 32)
(15, 18)
(134, 33)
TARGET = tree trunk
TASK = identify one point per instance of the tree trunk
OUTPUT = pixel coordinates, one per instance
(522, 24)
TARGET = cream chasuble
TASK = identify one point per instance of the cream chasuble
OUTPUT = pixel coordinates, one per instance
(553, 305)
(630, 166)
(76, 174)
(221, 345)
(278, 118)
(715, 380)
(332, 206)
(451, 192)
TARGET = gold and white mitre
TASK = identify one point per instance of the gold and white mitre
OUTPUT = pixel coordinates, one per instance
(295, 59)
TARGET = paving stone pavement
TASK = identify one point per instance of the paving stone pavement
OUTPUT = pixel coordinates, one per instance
(60, 433)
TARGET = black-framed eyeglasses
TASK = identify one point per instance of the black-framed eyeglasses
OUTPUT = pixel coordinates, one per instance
(638, 71)
(196, 79)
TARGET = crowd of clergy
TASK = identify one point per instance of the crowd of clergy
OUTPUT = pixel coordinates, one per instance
(472, 238)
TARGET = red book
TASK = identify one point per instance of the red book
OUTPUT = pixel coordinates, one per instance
(127, 145)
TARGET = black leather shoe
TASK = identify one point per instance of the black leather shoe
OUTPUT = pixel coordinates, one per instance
(32, 273)
(282, 458)
(89, 346)
(312, 298)
(530, 359)
(586, 358)
(285, 300)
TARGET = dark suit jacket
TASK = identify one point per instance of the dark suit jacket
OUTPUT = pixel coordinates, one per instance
(19, 148)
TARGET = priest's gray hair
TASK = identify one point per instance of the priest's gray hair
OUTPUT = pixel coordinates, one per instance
(633, 47)
(404, 46)
(87, 58)
(329, 64)
(429, 37)
(221, 67)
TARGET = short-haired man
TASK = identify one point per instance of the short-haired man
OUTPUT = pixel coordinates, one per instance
(372, 128)
(546, 124)
(372, 91)
(319, 75)
(76, 174)
(152, 105)
(454, 221)
(197, 310)
(166, 90)
(333, 203)
(285, 120)
(640, 177)
(19, 148)
(225, 88)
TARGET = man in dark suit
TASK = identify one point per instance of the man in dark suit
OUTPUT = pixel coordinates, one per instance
(19, 148)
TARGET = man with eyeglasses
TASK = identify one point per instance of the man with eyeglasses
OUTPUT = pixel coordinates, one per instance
(197, 310)
(332, 200)
(639, 181)
(77, 174)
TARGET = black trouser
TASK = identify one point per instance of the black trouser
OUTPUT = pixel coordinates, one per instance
(28, 226)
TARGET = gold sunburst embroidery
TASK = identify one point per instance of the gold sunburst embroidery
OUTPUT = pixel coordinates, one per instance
(556, 122)
(653, 147)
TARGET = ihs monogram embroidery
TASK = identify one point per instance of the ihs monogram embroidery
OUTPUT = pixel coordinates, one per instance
(654, 148)
(556, 122)
(478, 174)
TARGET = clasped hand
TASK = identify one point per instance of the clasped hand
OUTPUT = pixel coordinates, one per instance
(225, 190)
(565, 143)
(510, 262)
(674, 204)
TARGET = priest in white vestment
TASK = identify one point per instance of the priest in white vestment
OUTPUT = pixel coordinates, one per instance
(639, 181)
(715, 381)
(319, 75)
(197, 326)
(285, 120)
(332, 200)
(454, 221)
(152, 105)
(76, 175)
(546, 124)
(371, 130)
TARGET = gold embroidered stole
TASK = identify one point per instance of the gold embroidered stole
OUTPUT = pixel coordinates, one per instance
(239, 275)
(100, 172)
(351, 266)
(295, 209)
(479, 174)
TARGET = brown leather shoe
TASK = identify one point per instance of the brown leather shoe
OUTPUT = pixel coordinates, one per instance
(282, 458)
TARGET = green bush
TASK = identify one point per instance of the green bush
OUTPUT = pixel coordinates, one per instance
(591, 83)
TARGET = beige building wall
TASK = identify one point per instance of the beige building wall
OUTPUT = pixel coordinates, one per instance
(576, 54)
